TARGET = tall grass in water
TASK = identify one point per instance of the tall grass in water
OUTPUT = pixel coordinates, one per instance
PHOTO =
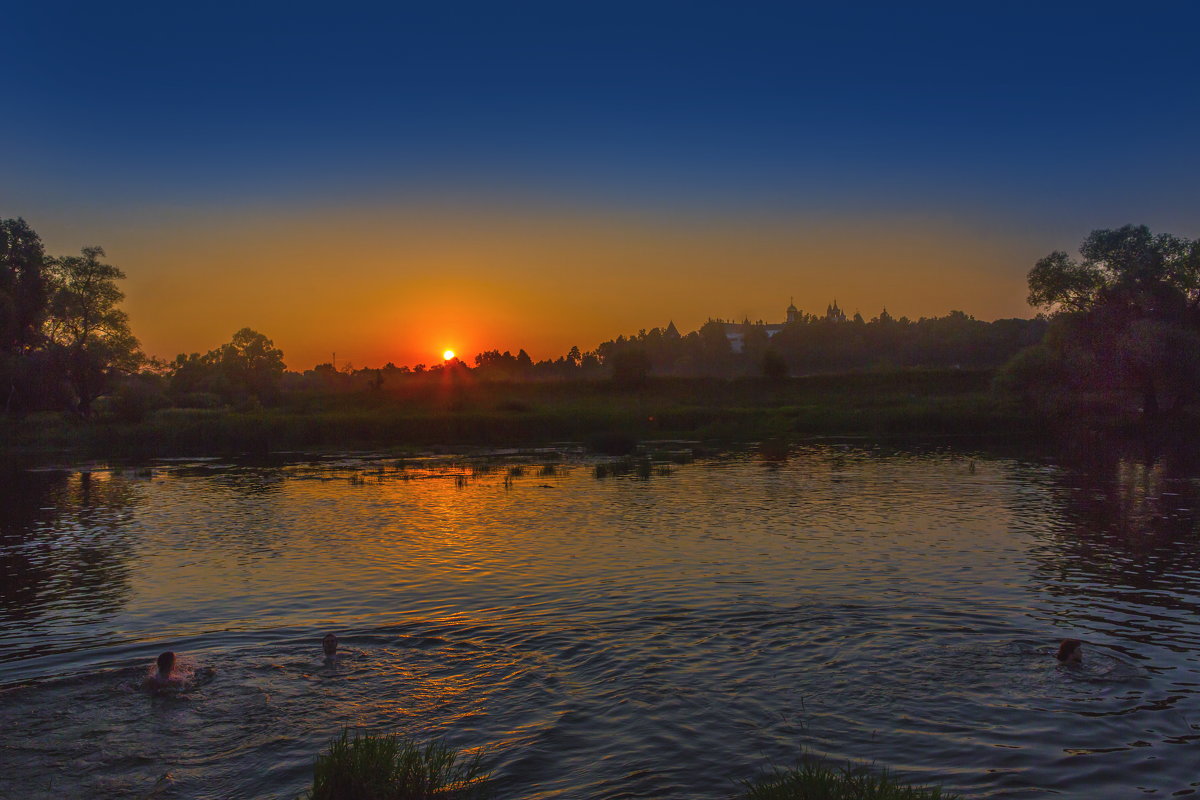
(390, 768)
(816, 781)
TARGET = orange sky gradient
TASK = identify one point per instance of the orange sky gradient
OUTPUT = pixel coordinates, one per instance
(402, 285)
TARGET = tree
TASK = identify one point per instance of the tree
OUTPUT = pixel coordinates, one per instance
(754, 347)
(774, 365)
(524, 364)
(23, 297)
(630, 366)
(87, 332)
(1127, 266)
(1126, 316)
(23, 286)
(248, 366)
(251, 365)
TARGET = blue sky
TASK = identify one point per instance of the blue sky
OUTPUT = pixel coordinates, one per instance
(1029, 122)
(1012, 106)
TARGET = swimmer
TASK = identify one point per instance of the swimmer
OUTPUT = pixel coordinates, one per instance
(329, 645)
(1070, 651)
(163, 679)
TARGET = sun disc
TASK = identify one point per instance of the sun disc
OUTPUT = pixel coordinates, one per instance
(447, 355)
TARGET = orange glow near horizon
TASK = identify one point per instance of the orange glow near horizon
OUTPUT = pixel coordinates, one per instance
(395, 285)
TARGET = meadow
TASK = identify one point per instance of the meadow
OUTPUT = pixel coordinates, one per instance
(605, 416)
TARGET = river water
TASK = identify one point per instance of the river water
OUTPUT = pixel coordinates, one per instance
(605, 636)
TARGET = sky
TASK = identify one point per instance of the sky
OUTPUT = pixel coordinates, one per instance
(387, 181)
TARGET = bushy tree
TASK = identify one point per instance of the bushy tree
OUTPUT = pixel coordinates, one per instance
(774, 365)
(1126, 316)
(248, 366)
(23, 286)
(23, 297)
(252, 364)
(630, 366)
(87, 332)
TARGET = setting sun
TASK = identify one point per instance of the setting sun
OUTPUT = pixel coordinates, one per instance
(448, 354)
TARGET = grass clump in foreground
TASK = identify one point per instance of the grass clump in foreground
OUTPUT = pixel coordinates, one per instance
(816, 781)
(369, 767)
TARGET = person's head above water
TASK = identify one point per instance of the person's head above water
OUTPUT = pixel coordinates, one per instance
(1070, 651)
(166, 663)
(329, 644)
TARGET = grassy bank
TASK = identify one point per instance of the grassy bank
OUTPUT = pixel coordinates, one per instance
(459, 413)
(365, 767)
(815, 780)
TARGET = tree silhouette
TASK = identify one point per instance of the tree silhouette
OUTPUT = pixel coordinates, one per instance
(248, 366)
(87, 330)
(774, 365)
(23, 286)
(1126, 317)
(23, 298)
(630, 367)
(252, 364)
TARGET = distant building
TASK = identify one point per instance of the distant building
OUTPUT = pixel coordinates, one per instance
(736, 332)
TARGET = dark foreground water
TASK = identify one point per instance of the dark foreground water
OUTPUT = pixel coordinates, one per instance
(617, 637)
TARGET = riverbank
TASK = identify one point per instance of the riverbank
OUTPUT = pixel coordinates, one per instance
(388, 767)
(601, 415)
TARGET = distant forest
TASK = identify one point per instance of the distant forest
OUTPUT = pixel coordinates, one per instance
(1119, 333)
(810, 343)
(67, 345)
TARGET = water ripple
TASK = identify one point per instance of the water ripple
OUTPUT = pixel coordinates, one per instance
(612, 638)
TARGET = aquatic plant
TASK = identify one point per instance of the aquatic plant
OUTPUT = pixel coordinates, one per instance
(815, 780)
(366, 767)
(622, 466)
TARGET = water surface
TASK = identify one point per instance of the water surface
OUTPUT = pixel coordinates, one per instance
(616, 637)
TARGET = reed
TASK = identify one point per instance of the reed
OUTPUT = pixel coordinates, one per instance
(365, 767)
(814, 780)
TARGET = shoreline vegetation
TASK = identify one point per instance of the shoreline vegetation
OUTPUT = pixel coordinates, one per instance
(1118, 351)
(913, 406)
(387, 767)
(605, 417)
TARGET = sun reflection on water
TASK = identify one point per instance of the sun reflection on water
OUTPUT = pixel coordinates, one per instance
(726, 611)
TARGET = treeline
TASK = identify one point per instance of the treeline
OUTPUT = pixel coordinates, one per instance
(809, 344)
(831, 342)
(66, 343)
